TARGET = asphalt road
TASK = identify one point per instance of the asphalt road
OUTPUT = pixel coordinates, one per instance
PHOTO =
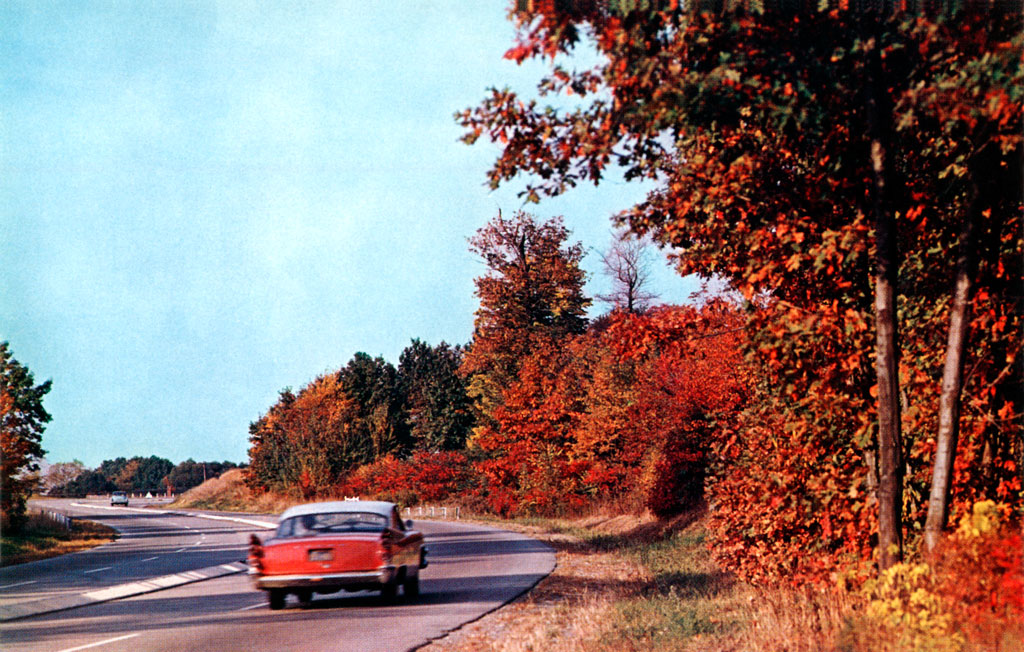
(473, 570)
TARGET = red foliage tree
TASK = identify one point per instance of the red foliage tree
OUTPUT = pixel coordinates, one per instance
(830, 158)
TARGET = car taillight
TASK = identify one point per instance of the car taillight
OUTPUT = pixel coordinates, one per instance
(255, 554)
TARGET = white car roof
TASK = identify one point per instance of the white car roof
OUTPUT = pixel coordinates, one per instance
(372, 506)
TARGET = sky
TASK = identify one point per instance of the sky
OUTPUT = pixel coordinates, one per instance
(202, 203)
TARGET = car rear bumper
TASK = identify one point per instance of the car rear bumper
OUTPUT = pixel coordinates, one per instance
(328, 581)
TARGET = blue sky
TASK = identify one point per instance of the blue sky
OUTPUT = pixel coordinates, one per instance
(204, 202)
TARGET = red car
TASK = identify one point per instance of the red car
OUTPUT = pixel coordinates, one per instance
(354, 545)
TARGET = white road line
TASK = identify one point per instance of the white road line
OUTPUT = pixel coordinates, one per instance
(11, 586)
(253, 606)
(109, 640)
(149, 559)
(96, 570)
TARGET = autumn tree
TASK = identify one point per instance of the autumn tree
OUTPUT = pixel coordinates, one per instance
(307, 442)
(818, 156)
(438, 409)
(531, 293)
(22, 421)
(61, 473)
(625, 414)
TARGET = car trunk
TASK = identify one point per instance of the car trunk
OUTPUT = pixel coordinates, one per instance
(323, 554)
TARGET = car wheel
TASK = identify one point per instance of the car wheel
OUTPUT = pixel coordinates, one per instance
(412, 586)
(388, 591)
(276, 598)
(305, 598)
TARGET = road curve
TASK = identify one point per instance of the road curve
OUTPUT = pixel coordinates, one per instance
(473, 570)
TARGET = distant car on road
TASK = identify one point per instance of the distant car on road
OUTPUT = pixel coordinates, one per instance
(119, 498)
(354, 545)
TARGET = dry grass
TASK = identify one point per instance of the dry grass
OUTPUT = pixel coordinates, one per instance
(41, 538)
(795, 620)
(229, 493)
(621, 583)
(568, 610)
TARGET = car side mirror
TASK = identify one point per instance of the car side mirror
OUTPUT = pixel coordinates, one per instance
(254, 540)
(408, 523)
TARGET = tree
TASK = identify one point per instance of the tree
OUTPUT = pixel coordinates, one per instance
(806, 154)
(439, 413)
(531, 293)
(374, 386)
(190, 474)
(22, 421)
(62, 473)
(627, 263)
(306, 443)
(88, 482)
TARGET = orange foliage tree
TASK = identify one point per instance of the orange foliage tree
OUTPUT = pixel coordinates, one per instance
(531, 295)
(812, 156)
(625, 414)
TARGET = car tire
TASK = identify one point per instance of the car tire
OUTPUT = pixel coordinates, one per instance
(389, 591)
(412, 586)
(275, 598)
(305, 599)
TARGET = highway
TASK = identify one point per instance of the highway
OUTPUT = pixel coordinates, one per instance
(473, 570)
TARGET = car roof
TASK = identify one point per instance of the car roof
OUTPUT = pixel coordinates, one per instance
(372, 506)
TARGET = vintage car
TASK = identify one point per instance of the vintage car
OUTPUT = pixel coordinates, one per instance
(353, 545)
(119, 498)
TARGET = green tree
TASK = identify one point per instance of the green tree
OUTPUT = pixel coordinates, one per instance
(190, 473)
(22, 421)
(373, 385)
(438, 409)
(88, 482)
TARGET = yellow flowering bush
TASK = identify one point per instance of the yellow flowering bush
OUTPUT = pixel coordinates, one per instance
(904, 601)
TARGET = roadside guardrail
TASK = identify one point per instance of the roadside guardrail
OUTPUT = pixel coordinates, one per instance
(433, 511)
(62, 519)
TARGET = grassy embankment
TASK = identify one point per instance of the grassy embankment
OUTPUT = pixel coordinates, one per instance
(228, 493)
(42, 538)
(627, 583)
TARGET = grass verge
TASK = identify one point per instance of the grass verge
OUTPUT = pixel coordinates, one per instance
(42, 538)
(621, 583)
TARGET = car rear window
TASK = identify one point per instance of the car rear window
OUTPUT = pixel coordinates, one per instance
(331, 523)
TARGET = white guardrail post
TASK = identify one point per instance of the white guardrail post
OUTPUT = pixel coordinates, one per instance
(63, 519)
(433, 511)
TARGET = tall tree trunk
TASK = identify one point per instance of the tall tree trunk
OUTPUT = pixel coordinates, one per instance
(890, 480)
(952, 381)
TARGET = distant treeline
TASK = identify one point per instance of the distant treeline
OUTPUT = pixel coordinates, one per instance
(136, 475)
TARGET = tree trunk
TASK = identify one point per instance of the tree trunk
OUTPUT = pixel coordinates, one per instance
(952, 382)
(890, 480)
